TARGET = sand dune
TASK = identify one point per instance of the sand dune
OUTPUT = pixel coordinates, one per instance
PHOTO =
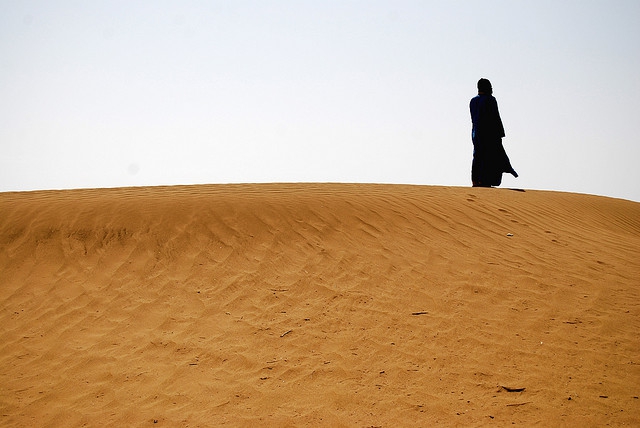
(318, 304)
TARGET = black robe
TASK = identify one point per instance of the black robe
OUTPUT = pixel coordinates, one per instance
(490, 160)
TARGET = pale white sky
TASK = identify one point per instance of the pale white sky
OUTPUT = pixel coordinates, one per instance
(132, 93)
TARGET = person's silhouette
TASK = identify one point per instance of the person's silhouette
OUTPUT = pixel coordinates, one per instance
(489, 157)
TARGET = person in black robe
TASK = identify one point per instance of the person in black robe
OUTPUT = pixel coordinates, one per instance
(489, 157)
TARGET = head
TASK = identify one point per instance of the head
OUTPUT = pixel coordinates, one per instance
(484, 87)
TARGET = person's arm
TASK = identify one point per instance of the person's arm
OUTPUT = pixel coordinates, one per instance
(499, 126)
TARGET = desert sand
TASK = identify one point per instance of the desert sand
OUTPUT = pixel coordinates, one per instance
(318, 305)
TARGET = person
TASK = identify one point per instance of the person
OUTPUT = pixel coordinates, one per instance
(490, 160)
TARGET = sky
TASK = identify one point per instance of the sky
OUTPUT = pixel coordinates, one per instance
(140, 93)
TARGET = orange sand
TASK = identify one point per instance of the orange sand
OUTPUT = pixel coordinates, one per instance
(318, 304)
